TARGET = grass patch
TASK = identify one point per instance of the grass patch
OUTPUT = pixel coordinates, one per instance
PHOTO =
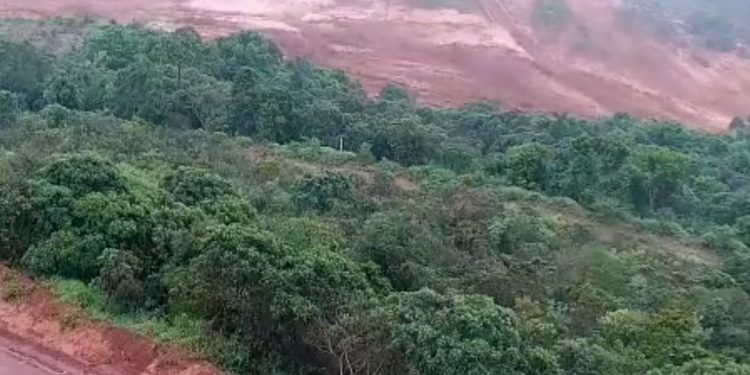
(181, 330)
(14, 289)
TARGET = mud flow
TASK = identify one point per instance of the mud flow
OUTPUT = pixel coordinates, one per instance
(486, 50)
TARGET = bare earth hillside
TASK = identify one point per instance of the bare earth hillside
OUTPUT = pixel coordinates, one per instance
(596, 65)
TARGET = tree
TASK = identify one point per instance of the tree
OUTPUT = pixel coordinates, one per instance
(79, 84)
(658, 173)
(120, 278)
(705, 366)
(66, 254)
(742, 229)
(668, 337)
(323, 193)
(528, 166)
(23, 71)
(144, 89)
(8, 108)
(203, 100)
(245, 102)
(117, 47)
(244, 50)
(250, 286)
(582, 357)
(427, 333)
(83, 174)
(182, 48)
(400, 246)
(192, 186)
(586, 164)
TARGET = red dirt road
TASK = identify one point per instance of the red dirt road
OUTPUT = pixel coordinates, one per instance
(13, 365)
(43, 337)
(597, 66)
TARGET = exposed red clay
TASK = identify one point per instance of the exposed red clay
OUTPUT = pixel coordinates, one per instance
(41, 336)
(597, 66)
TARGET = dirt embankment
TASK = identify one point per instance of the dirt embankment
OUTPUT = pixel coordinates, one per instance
(597, 65)
(53, 338)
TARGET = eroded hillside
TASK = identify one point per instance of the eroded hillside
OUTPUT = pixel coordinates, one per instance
(595, 62)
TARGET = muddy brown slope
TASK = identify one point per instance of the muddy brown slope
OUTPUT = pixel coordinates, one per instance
(595, 66)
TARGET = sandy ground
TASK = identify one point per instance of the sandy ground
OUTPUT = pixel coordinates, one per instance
(596, 67)
(41, 336)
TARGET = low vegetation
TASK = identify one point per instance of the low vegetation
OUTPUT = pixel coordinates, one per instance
(719, 25)
(196, 191)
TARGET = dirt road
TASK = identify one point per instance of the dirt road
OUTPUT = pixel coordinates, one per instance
(40, 336)
(19, 357)
(13, 365)
(596, 66)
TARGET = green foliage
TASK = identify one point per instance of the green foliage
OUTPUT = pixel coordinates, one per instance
(191, 186)
(657, 175)
(66, 254)
(83, 174)
(323, 193)
(528, 166)
(78, 84)
(425, 332)
(119, 277)
(8, 108)
(23, 70)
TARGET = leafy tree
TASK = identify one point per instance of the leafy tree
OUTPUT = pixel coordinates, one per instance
(245, 102)
(323, 193)
(399, 245)
(528, 166)
(120, 276)
(204, 100)
(239, 51)
(144, 89)
(658, 173)
(8, 108)
(667, 337)
(83, 174)
(706, 366)
(117, 47)
(182, 49)
(581, 357)
(66, 254)
(191, 186)
(586, 162)
(79, 84)
(429, 333)
(23, 71)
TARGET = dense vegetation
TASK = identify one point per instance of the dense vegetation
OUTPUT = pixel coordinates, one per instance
(159, 176)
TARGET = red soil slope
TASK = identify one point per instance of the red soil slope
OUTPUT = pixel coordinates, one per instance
(38, 333)
(597, 66)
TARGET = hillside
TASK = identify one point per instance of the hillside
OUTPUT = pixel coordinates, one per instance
(597, 62)
(271, 217)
